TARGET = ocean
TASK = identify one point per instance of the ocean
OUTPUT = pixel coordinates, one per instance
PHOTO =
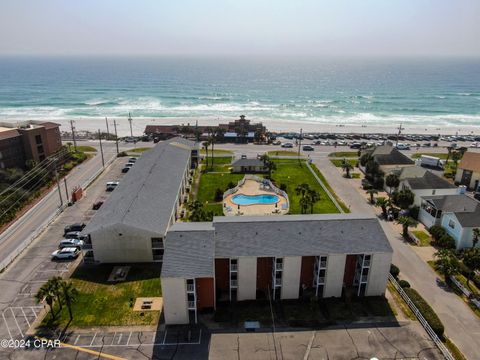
(375, 92)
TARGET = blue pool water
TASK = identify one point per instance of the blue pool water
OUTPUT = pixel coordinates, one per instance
(263, 199)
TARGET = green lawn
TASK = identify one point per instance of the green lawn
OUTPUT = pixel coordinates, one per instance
(339, 162)
(438, 155)
(293, 173)
(327, 185)
(344, 154)
(220, 164)
(283, 153)
(84, 148)
(355, 175)
(423, 237)
(101, 303)
(209, 182)
(217, 152)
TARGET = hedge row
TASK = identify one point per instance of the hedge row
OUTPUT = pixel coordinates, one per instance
(426, 311)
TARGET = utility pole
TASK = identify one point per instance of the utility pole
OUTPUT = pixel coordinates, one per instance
(73, 135)
(400, 128)
(108, 132)
(58, 183)
(300, 142)
(101, 147)
(66, 188)
(130, 121)
(116, 137)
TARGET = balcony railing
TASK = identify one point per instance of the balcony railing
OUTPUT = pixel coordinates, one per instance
(321, 280)
(279, 266)
(233, 283)
(323, 264)
(366, 263)
(233, 267)
(191, 305)
(157, 245)
(157, 257)
(278, 282)
(364, 278)
(190, 288)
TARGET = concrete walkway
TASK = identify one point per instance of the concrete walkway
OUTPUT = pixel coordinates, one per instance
(461, 324)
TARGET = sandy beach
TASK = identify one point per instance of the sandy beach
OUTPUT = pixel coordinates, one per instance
(138, 125)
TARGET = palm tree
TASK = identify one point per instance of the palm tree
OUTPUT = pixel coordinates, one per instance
(372, 192)
(313, 197)
(346, 166)
(404, 198)
(69, 145)
(304, 203)
(302, 189)
(407, 222)
(476, 236)
(69, 294)
(392, 181)
(269, 164)
(196, 211)
(456, 155)
(56, 285)
(383, 203)
(46, 293)
(449, 149)
(446, 263)
(205, 145)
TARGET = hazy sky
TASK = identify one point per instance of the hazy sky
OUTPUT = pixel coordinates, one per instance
(205, 27)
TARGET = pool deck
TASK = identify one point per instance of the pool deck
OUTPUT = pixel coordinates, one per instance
(252, 187)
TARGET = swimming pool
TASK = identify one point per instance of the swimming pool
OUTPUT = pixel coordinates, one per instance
(262, 199)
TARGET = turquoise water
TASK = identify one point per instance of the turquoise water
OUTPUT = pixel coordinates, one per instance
(331, 91)
(263, 199)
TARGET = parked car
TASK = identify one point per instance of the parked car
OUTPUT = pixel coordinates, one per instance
(355, 145)
(75, 235)
(126, 168)
(277, 142)
(132, 160)
(97, 205)
(71, 243)
(73, 227)
(111, 185)
(308, 148)
(287, 145)
(401, 146)
(65, 253)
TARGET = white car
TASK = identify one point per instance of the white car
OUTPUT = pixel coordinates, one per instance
(75, 235)
(65, 253)
(287, 145)
(69, 243)
(474, 145)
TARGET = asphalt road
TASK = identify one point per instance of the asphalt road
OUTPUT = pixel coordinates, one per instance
(29, 223)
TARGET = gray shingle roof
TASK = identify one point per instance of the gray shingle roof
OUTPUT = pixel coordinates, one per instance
(389, 155)
(189, 251)
(429, 181)
(453, 203)
(145, 197)
(469, 219)
(248, 162)
(190, 248)
(298, 235)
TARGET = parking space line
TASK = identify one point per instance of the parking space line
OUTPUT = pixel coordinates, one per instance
(94, 336)
(33, 310)
(119, 338)
(6, 324)
(76, 340)
(16, 322)
(153, 337)
(25, 316)
(165, 336)
(129, 336)
(113, 339)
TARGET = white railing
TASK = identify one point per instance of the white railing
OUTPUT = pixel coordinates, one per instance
(421, 319)
(191, 305)
(233, 267)
(190, 288)
(465, 291)
(233, 283)
(278, 266)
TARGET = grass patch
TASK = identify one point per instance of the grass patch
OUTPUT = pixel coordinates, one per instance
(344, 154)
(423, 237)
(283, 153)
(140, 150)
(220, 164)
(209, 182)
(339, 162)
(101, 303)
(368, 306)
(327, 185)
(355, 175)
(221, 152)
(293, 173)
(85, 148)
(400, 302)
(454, 350)
(438, 155)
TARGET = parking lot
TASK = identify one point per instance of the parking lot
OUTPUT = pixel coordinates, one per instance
(22, 279)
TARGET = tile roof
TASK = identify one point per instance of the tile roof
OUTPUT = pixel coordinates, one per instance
(146, 196)
(470, 161)
(389, 155)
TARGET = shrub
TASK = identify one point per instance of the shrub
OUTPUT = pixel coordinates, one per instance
(68, 166)
(426, 311)
(231, 185)
(446, 242)
(218, 194)
(122, 154)
(436, 231)
(394, 270)
(404, 284)
(414, 210)
(378, 183)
